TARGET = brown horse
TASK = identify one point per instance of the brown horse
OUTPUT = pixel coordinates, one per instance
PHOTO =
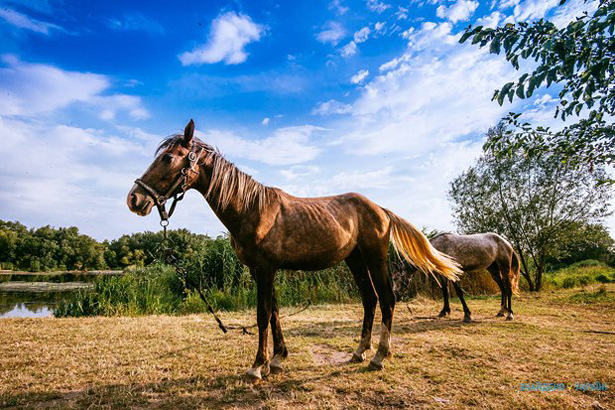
(476, 252)
(273, 230)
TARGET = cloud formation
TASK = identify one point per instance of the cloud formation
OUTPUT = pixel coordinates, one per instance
(332, 32)
(22, 21)
(228, 36)
(460, 11)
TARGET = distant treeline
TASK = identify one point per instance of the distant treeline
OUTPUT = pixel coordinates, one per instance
(48, 248)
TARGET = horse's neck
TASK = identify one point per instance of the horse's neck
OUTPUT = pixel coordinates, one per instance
(238, 221)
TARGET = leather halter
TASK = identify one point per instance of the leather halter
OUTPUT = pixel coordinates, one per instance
(181, 181)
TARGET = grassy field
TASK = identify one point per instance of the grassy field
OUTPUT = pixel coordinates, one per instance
(185, 362)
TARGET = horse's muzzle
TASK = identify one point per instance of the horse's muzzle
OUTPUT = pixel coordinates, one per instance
(139, 203)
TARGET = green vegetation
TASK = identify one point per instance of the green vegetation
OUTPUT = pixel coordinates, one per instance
(582, 274)
(579, 58)
(157, 289)
(551, 212)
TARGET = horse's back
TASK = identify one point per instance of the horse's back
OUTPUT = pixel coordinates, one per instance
(475, 251)
(315, 233)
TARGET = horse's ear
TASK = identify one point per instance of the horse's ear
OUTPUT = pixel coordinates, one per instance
(188, 133)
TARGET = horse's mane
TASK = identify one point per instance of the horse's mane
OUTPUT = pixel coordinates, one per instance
(232, 185)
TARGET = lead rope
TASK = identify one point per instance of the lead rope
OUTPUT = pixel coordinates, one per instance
(168, 256)
(167, 253)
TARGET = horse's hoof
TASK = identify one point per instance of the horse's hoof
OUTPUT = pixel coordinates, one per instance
(275, 369)
(444, 314)
(375, 365)
(275, 366)
(510, 316)
(467, 319)
(356, 358)
(500, 314)
(254, 374)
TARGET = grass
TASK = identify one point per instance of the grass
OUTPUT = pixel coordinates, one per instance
(185, 362)
(157, 289)
(582, 274)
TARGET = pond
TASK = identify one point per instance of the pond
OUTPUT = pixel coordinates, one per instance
(25, 294)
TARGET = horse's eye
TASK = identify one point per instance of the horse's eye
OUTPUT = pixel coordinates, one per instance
(167, 157)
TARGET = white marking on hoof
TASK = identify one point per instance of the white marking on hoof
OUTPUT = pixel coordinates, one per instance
(276, 365)
(376, 363)
(254, 374)
(384, 349)
(384, 345)
(510, 316)
(364, 345)
(357, 358)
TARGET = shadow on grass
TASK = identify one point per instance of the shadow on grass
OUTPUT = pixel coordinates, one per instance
(220, 392)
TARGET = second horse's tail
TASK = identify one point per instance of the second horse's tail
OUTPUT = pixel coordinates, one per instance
(415, 248)
(515, 269)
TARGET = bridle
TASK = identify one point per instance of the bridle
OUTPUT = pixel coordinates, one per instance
(180, 182)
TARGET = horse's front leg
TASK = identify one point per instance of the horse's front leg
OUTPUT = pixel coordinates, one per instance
(264, 287)
(279, 347)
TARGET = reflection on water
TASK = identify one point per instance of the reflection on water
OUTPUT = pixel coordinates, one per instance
(28, 310)
(30, 304)
(25, 294)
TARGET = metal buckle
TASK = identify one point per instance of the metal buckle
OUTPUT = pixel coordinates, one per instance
(161, 200)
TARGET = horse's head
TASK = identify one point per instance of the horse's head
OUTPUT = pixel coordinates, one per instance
(171, 173)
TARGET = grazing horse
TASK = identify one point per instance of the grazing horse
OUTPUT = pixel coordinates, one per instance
(273, 230)
(476, 252)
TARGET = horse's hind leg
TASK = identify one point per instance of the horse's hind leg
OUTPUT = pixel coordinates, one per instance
(368, 296)
(466, 311)
(446, 310)
(504, 267)
(495, 273)
(264, 286)
(279, 347)
(377, 265)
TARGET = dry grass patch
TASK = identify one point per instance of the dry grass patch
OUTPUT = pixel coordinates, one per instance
(164, 362)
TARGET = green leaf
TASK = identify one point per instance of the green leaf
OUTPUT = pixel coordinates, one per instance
(520, 91)
(466, 36)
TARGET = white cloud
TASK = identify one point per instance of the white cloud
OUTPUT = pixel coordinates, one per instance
(31, 89)
(460, 11)
(338, 7)
(379, 26)
(135, 22)
(332, 32)
(228, 36)
(331, 107)
(349, 49)
(287, 146)
(431, 94)
(533, 9)
(362, 35)
(359, 77)
(265, 121)
(65, 175)
(377, 6)
(299, 171)
(22, 21)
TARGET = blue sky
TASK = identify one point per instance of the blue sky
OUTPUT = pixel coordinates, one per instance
(317, 98)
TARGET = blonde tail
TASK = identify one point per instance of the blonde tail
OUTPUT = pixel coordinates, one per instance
(515, 269)
(414, 247)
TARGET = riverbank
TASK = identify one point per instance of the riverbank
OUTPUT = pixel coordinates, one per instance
(185, 362)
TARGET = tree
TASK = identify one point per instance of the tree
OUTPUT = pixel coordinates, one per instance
(581, 58)
(583, 241)
(533, 201)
